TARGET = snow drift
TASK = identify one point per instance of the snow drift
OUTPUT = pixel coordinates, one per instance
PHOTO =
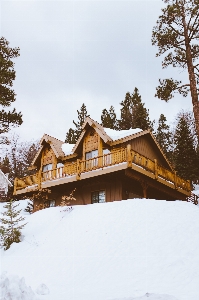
(125, 250)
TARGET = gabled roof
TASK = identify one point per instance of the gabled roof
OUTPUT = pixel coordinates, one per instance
(55, 144)
(134, 133)
(99, 129)
(107, 137)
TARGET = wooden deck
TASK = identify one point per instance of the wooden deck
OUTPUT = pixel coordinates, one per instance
(123, 158)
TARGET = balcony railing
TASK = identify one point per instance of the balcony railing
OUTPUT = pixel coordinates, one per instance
(115, 157)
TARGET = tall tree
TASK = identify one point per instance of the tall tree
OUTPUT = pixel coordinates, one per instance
(133, 113)
(176, 34)
(73, 134)
(7, 94)
(125, 121)
(163, 135)
(108, 118)
(185, 156)
(140, 115)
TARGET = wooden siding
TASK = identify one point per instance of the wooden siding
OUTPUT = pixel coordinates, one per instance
(143, 146)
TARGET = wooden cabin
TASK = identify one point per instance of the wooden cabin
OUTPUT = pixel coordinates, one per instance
(103, 166)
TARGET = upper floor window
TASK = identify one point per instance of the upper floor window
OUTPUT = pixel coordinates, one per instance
(91, 160)
(47, 167)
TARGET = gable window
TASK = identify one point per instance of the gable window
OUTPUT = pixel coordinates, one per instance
(98, 197)
(106, 157)
(47, 171)
(91, 161)
(60, 168)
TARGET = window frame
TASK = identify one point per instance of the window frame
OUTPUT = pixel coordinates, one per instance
(96, 194)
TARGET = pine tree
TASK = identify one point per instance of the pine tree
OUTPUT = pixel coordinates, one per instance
(140, 115)
(133, 113)
(108, 118)
(185, 156)
(73, 134)
(125, 121)
(176, 35)
(7, 94)
(11, 230)
(163, 135)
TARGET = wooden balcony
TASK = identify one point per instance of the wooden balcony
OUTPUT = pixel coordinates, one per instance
(120, 159)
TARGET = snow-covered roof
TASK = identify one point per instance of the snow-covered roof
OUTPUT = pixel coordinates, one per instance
(116, 135)
(67, 148)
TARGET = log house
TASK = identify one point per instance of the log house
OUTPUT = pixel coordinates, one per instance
(102, 168)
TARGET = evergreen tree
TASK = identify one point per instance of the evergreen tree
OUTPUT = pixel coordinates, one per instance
(176, 35)
(140, 115)
(185, 156)
(11, 230)
(163, 135)
(108, 118)
(7, 94)
(133, 113)
(125, 121)
(73, 134)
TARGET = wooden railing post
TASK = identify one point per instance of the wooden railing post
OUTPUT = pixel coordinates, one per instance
(156, 168)
(78, 170)
(128, 156)
(15, 186)
(39, 180)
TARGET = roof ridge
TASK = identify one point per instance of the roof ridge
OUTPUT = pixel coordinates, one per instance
(53, 137)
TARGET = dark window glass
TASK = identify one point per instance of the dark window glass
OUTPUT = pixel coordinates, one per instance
(98, 197)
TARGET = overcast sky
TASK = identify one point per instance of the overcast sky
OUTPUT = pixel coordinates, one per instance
(92, 52)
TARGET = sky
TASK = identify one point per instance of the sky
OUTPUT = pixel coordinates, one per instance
(92, 52)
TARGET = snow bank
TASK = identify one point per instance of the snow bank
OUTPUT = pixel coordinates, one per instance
(148, 296)
(14, 288)
(116, 135)
(132, 249)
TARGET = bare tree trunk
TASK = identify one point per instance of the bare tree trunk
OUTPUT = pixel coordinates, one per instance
(192, 78)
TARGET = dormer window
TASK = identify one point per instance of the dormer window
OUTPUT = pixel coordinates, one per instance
(91, 161)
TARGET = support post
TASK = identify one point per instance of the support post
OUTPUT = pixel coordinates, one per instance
(78, 170)
(39, 180)
(128, 156)
(15, 186)
(144, 188)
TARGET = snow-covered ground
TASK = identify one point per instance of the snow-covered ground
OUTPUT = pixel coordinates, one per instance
(127, 250)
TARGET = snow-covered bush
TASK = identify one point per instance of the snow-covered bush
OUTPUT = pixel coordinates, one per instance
(14, 288)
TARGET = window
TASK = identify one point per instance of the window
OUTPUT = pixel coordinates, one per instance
(59, 172)
(106, 157)
(98, 197)
(91, 160)
(49, 203)
(47, 169)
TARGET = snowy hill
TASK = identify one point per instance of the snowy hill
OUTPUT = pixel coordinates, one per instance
(135, 249)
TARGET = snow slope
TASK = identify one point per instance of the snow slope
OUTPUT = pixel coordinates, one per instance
(134, 249)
